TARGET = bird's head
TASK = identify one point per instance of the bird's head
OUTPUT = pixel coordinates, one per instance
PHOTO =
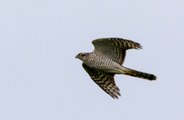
(82, 56)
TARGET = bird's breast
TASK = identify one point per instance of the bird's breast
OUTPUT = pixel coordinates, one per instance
(102, 63)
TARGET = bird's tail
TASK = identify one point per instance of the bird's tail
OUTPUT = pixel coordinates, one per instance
(134, 73)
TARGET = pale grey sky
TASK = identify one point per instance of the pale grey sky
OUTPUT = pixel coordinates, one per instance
(40, 79)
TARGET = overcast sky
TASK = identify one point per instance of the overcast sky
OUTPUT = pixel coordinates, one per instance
(40, 79)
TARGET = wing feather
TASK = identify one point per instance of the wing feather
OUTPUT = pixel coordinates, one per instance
(103, 80)
(114, 48)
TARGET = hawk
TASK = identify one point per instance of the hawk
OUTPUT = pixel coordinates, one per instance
(106, 60)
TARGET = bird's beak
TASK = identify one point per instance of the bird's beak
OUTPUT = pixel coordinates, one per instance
(76, 56)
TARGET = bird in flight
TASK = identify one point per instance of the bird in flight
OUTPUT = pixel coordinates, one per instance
(106, 60)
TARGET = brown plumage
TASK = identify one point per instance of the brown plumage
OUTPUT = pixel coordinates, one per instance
(106, 60)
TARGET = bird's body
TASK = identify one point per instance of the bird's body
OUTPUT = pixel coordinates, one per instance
(106, 61)
(102, 62)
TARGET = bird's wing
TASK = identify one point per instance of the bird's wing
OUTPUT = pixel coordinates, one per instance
(103, 80)
(114, 48)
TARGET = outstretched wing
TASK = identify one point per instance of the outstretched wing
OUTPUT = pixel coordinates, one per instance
(114, 48)
(104, 80)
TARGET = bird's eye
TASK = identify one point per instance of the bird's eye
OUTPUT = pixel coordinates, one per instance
(82, 55)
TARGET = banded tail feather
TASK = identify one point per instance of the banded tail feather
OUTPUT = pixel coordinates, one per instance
(139, 74)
